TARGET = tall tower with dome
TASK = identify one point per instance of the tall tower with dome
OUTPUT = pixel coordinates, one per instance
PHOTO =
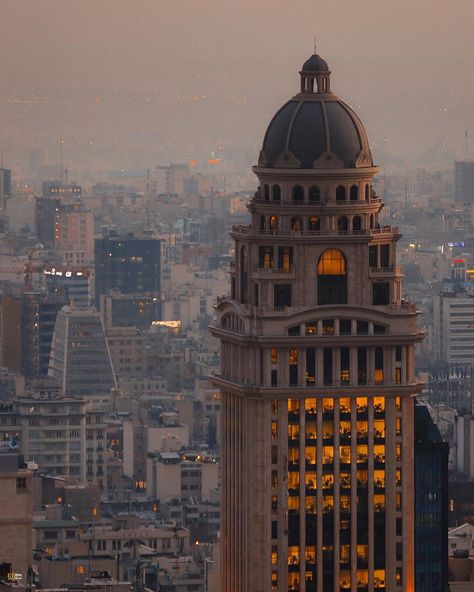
(317, 373)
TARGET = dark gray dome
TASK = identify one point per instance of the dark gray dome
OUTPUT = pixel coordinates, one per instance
(315, 131)
(315, 64)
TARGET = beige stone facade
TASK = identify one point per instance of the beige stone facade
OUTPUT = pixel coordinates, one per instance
(317, 374)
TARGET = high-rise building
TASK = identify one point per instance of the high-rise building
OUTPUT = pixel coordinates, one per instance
(464, 181)
(80, 357)
(431, 504)
(74, 234)
(317, 370)
(56, 198)
(5, 186)
(127, 264)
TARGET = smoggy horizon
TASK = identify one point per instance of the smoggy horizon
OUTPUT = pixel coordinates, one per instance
(156, 82)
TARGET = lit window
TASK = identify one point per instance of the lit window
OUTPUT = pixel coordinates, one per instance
(293, 405)
(274, 430)
(274, 355)
(274, 555)
(80, 569)
(293, 356)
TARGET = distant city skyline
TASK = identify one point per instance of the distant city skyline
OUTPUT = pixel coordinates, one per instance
(166, 83)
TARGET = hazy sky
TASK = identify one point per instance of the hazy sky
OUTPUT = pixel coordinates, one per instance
(157, 80)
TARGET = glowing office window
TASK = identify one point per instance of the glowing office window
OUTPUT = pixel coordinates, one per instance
(328, 454)
(345, 428)
(310, 455)
(361, 404)
(362, 553)
(311, 328)
(274, 555)
(379, 428)
(345, 503)
(310, 405)
(274, 430)
(328, 428)
(379, 404)
(344, 405)
(398, 426)
(398, 403)
(379, 579)
(345, 576)
(293, 581)
(398, 477)
(379, 453)
(345, 479)
(361, 428)
(310, 504)
(379, 478)
(310, 428)
(310, 554)
(398, 452)
(328, 404)
(293, 356)
(293, 480)
(310, 479)
(293, 431)
(345, 454)
(362, 479)
(293, 405)
(293, 502)
(328, 481)
(379, 502)
(274, 355)
(362, 453)
(293, 456)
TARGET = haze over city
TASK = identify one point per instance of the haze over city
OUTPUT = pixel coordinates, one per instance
(127, 84)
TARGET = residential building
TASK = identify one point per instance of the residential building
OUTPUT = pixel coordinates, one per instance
(16, 517)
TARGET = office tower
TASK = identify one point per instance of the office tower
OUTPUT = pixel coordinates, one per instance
(16, 518)
(55, 199)
(170, 179)
(127, 264)
(74, 234)
(464, 181)
(80, 358)
(73, 283)
(431, 504)
(5, 186)
(38, 318)
(317, 370)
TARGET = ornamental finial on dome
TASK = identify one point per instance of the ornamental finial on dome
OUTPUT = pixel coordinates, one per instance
(315, 74)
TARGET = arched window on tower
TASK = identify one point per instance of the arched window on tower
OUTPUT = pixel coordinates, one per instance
(296, 224)
(341, 193)
(263, 223)
(276, 193)
(371, 221)
(342, 224)
(332, 277)
(354, 194)
(314, 224)
(298, 193)
(273, 223)
(367, 192)
(314, 194)
(357, 223)
(243, 276)
(266, 192)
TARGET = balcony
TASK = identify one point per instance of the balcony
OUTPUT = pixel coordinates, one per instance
(273, 273)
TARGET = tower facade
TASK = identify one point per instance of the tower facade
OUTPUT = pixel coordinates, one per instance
(317, 373)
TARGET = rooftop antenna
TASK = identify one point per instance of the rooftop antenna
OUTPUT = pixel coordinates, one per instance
(406, 187)
(61, 164)
(314, 44)
(466, 144)
(147, 204)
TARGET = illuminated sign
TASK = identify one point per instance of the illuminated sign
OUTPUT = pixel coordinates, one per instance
(8, 445)
(68, 273)
(14, 577)
(456, 244)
